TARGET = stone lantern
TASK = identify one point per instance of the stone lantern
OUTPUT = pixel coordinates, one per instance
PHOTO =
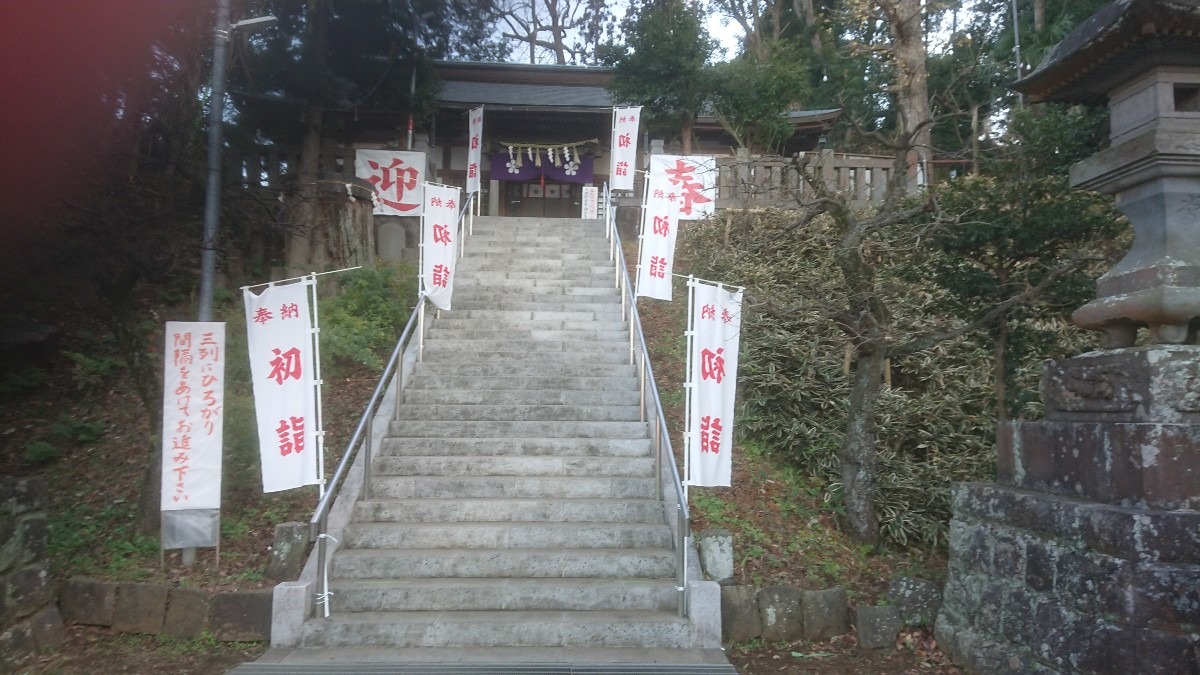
(1084, 555)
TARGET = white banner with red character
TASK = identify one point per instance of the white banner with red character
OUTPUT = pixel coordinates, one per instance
(280, 337)
(656, 258)
(474, 149)
(439, 243)
(397, 177)
(715, 317)
(693, 182)
(624, 148)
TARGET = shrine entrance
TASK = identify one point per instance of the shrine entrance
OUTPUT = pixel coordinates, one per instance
(534, 200)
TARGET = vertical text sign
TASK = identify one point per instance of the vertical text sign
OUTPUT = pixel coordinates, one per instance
(660, 221)
(474, 149)
(397, 178)
(193, 410)
(280, 340)
(591, 202)
(439, 243)
(624, 147)
(716, 326)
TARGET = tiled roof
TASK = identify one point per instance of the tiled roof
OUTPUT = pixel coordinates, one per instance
(524, 95)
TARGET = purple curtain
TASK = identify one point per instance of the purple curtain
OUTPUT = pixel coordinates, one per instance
(578, 170)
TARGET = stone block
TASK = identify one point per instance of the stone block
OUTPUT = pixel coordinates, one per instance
(33, 534)
(17, 644)
(243, 616)
(740, 620)
(89, 602)
(22, 495)
(779, 609)
(47, 628)
(1018, 615)
(187, 613)
(1167, 652)
(877, 626)
(1103, 647)
(10, 544)
(1163, 595)
(825, 614)
(1008, 555)
(716, 555)
(29, 590)
(918, 600)
(140, 608)
(1092, 583)
(1041, 562)
(288, 551)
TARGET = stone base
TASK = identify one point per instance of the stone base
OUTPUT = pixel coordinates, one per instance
(1042, 583)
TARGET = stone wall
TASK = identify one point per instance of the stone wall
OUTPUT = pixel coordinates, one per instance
(243, 616)
(29, 619)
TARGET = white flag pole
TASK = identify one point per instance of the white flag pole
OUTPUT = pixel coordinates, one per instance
(688, 389)
(315, 338)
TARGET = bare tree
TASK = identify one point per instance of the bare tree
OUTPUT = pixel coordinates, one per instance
(558, 31)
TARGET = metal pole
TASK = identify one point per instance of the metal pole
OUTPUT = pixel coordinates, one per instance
(212, 193)
(1017, 48)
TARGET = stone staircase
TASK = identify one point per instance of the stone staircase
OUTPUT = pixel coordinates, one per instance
(513, 502)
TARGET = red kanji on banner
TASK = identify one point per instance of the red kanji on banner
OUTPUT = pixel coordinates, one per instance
(624, 141)
(396, 178)
(622, 168)
(726, 316)
(262, 315)
(683, 175)
(441, 234)
(710, 434)
(289, 311)
(472, 170)
(662, 226)
(285, 365)
(658, 266)
(441, 276)
(474, 142)
(712, 364)
(291, 435)
(708, 312)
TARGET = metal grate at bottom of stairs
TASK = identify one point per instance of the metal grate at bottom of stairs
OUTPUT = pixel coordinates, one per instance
(485, 669)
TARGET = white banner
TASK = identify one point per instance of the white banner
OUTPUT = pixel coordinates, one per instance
(693, 182)
(439, 243)
(591, 202)
(716, 326)
(279, 333)
(624, 148)
(660, 225)
(193, 406)
(397, 177)
(474, 149)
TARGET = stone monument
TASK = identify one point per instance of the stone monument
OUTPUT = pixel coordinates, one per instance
(1084, 556)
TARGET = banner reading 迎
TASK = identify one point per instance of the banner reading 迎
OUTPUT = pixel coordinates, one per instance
(716, 317)
(397, 177)
(624, 147)
(693, 182)
(193, 405)
(474, 149)
(656, 259)
(280, 336)
(439, 243)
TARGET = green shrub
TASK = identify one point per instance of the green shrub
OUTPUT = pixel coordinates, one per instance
(78, 430)
(40, 452)
(360, 325)
(21, 381)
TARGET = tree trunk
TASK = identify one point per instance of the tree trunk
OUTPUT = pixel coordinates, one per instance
(1000, 370)
(685, 134)
(805, 9)
(858, 447)
(912, 85)
(305, 232)
(1039, 15)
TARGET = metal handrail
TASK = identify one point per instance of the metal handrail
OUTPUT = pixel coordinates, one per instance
(363, 433)
(662, 436)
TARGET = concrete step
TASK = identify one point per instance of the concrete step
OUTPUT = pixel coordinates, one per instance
(527, 368)
(542, 292)
(470, 294)
(431, 595)
(509, 413)
(500, 629)
(597, 273)
(518, 487)
(512, 305)
(488, 661)
(428, 381)
(449, 321)
(519, 465)
(517, 429)
(456, 510)
(455, 331)
(608, 313)
(592, 281)
(506, 535)
(528, 360)
(569, 254)
(522, 396)
(467, 343)
(505, 563)
(515, 446)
